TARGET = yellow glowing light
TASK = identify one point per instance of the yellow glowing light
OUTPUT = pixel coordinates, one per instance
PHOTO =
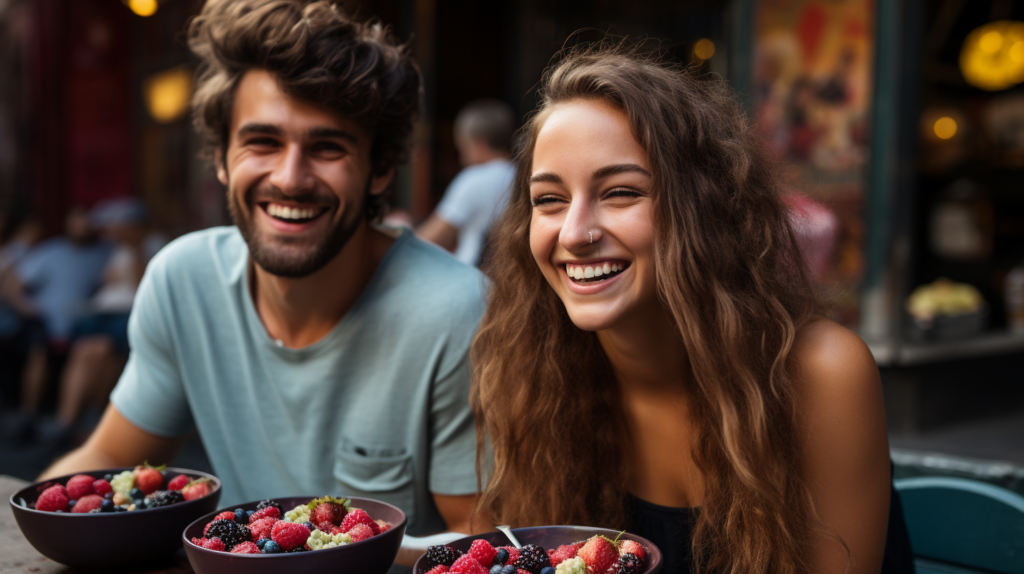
(143, 7)
(167, 94)
(704, 49)
(945, 127)
(992, 57)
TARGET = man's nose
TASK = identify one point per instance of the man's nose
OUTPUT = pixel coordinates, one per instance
(291, 174)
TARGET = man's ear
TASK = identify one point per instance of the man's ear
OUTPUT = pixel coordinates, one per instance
(381, 182)
(222, 168)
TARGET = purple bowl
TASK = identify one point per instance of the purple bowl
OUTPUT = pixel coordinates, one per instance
(371, 556)
(549, 537)
(109, 540)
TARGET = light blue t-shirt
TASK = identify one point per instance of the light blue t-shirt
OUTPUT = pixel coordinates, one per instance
(473, 201)
(60, 277)
(377, 408)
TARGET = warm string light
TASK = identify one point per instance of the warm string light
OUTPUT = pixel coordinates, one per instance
(992, 57)
(704, 49)
(143, 7)
(945, 127)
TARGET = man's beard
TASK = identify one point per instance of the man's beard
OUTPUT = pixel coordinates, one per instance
(295, 260)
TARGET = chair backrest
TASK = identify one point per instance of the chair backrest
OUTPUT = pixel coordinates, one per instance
(964, 522)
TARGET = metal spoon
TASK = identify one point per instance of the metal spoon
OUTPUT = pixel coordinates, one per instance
(508, 532)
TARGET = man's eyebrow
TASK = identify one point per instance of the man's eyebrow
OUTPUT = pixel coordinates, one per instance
(620, 168)
(545, 178)
(324, 132)
(254, 128)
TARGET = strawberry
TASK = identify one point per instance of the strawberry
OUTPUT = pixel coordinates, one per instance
(358, 516)
(265, 512)
(102, 487)
(466, 564)
(563, 553)
(87, 503)
(262, 528)
(482, 551)
(327, 512)
(632, 547)
(53, 499)
(246, 547)
(196, 489)
(384, 525)
(289, 535)
(178, 482)
(361, 532)
(80, 485)
(598, 554)
(148, 478)
(439, 569)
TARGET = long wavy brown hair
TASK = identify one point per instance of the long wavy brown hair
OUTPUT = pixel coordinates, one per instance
(729, 275)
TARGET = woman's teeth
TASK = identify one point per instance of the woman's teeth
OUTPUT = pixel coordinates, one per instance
(579, 272)
(292, 213)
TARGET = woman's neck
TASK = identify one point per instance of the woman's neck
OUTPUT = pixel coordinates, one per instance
(646, 354)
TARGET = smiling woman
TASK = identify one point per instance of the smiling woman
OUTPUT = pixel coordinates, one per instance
(654, 357)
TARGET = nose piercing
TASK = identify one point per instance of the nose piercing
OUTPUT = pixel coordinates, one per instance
(591, 236)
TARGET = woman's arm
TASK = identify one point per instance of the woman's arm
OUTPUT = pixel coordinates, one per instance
(841, 416)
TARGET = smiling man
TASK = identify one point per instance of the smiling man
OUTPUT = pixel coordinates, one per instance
(314, 352)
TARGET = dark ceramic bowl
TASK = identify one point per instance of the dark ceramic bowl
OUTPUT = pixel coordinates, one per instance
(549, 537)
(110, 540)
(371, 556)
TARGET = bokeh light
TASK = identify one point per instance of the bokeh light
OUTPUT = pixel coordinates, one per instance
(945, 127)
(704, 49)
(992, 57)
(143, 7)
(167, 94)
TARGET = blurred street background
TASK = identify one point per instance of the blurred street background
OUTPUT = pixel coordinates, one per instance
(899, 124)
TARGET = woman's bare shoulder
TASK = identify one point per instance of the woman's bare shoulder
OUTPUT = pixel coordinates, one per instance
(831, 360)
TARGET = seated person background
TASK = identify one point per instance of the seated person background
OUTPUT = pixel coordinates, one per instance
(313, 352)
(483, 135)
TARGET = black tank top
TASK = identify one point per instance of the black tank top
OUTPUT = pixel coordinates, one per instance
(671, 530)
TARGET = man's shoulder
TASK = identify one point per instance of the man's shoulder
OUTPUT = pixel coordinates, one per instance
(193, 256)
(426, 274)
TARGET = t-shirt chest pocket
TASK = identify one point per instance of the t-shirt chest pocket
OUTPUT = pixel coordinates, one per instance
(382, 474)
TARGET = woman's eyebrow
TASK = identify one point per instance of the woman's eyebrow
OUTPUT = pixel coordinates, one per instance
(620, 168)
(545, 178)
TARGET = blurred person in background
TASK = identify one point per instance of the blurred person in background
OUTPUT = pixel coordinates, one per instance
(99, 347)
(21, 231)
(53, 282)
(476, 197)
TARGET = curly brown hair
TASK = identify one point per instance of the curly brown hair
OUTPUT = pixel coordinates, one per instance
(319, 55)
(728, 274)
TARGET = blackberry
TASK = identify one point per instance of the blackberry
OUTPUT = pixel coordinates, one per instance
(164, 498)
(441, 555)
(265, 503)
(229, 532)
(630, 564)
(532, 558)
(300, 548)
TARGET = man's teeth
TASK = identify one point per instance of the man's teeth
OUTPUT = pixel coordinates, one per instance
(592, 271)
(285, 212)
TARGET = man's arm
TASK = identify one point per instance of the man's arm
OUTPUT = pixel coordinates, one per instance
(457, 512)
(439, 232)
(116, 442)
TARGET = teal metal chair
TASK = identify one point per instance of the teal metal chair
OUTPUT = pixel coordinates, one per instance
(960, 526)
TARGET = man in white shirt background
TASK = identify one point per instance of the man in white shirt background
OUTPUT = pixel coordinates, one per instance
(477, 196)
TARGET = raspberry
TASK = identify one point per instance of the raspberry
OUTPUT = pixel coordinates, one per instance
(289, 535)
(482, 551)
(87, 503)
(358, 516)
(265, 512)
(564, 552)
(102, 487)
(467, 565)
(209, 543)
(178, 482)
(247, 547)
(439, 569)
(327, 512)
(360, 532)
(53, 499)
(632, 547)
(513, 554)
(384, 526)
(262, 528)
(79, 486)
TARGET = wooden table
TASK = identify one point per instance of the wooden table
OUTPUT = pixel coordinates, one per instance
(17, 556)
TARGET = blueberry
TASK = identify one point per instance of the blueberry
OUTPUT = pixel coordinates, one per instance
(241, 517)
(309, 525)
(109, 496)
(107, 505)
(496, 569)
(547, 570)
(108, 477)
(249, 513)
(262, 542)
(72, 503)
(136, 494)
(508, 569)
(271, 547)
(501, 557)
